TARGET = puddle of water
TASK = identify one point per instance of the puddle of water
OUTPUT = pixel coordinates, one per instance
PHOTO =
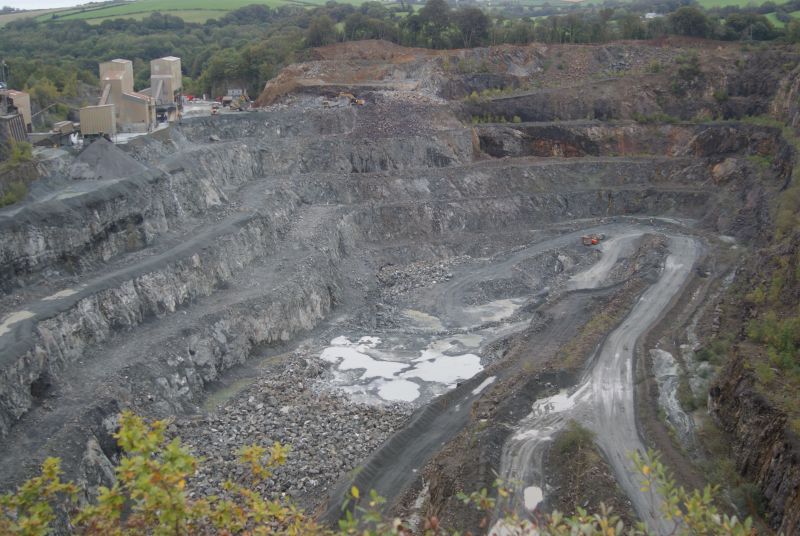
(348, 358)
(399, 391)
(554, 404)
(66, 194)
(494, 311)
(61, 294)
(532, 496)
(446, 369)
(222, 395)
(470, 341)
(394, 375)
(423, 320)
(484, 384)
(13, 318)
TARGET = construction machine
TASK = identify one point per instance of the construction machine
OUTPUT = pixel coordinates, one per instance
(352, 98)
(592, 239)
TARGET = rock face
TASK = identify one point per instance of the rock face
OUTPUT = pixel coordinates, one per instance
(622, 138)
(766, 450)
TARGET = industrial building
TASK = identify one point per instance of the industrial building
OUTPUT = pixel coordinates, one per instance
(134, 111)
(98, 120)
(17, 102)
(166, 86)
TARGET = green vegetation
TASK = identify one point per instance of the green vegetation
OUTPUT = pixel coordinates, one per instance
(761, 162)
(687, 74)
(491, 93)
(574, 439)
(16, 153)
(489, 118)
(189, 10)
(466, 66)
(244, 43)
(772, 328)
(709, 4)
(716, 351)
(686, 397)
(719, 468)
(781, 336)
(15, 191)
(150, 497)
(721, 95)
(13, 157)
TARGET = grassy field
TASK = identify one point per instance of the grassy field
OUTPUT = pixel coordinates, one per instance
(778, 24)
(188, 10)
(8, 17)
(203, 10)
(741, 3)
(774, 20)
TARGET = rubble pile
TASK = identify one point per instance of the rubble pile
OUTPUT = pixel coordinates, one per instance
(328, 434)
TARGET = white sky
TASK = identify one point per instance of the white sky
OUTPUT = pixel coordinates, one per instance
(40, 4)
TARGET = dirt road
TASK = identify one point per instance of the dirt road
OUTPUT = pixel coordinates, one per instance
(604, 400)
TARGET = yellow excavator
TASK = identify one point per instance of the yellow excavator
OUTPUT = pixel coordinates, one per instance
(352, 98)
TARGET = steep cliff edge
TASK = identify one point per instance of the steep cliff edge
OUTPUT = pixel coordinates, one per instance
(764, 446)
(754, 397)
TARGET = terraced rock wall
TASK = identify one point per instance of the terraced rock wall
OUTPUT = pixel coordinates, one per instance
(247, 231)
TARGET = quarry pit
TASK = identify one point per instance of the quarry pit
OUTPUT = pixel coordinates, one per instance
(376, 286)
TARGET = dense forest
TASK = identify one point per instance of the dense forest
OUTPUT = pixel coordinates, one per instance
(56, 61)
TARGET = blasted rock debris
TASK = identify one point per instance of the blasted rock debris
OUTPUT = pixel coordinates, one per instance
(328, 435)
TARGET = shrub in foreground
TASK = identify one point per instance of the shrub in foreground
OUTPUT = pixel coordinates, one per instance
(149, 498)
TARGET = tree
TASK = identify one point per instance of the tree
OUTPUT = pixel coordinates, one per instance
(793, 31)
(435, 18)
(436, 13)
(321, 31)
(656, 27)
(473, 24)
(248, 14)
(750, 26)
(689, 21)
(521, 32)
(43, 93)
(631, 27)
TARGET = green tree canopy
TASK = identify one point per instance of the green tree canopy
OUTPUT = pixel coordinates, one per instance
(690, 21)
(321, 31)
(473, 25)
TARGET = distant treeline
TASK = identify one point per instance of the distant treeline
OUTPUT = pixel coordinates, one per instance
(54, 60)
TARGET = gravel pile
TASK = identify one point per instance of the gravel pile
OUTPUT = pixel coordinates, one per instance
(104, 160)
(328, 433)
(397, 280)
